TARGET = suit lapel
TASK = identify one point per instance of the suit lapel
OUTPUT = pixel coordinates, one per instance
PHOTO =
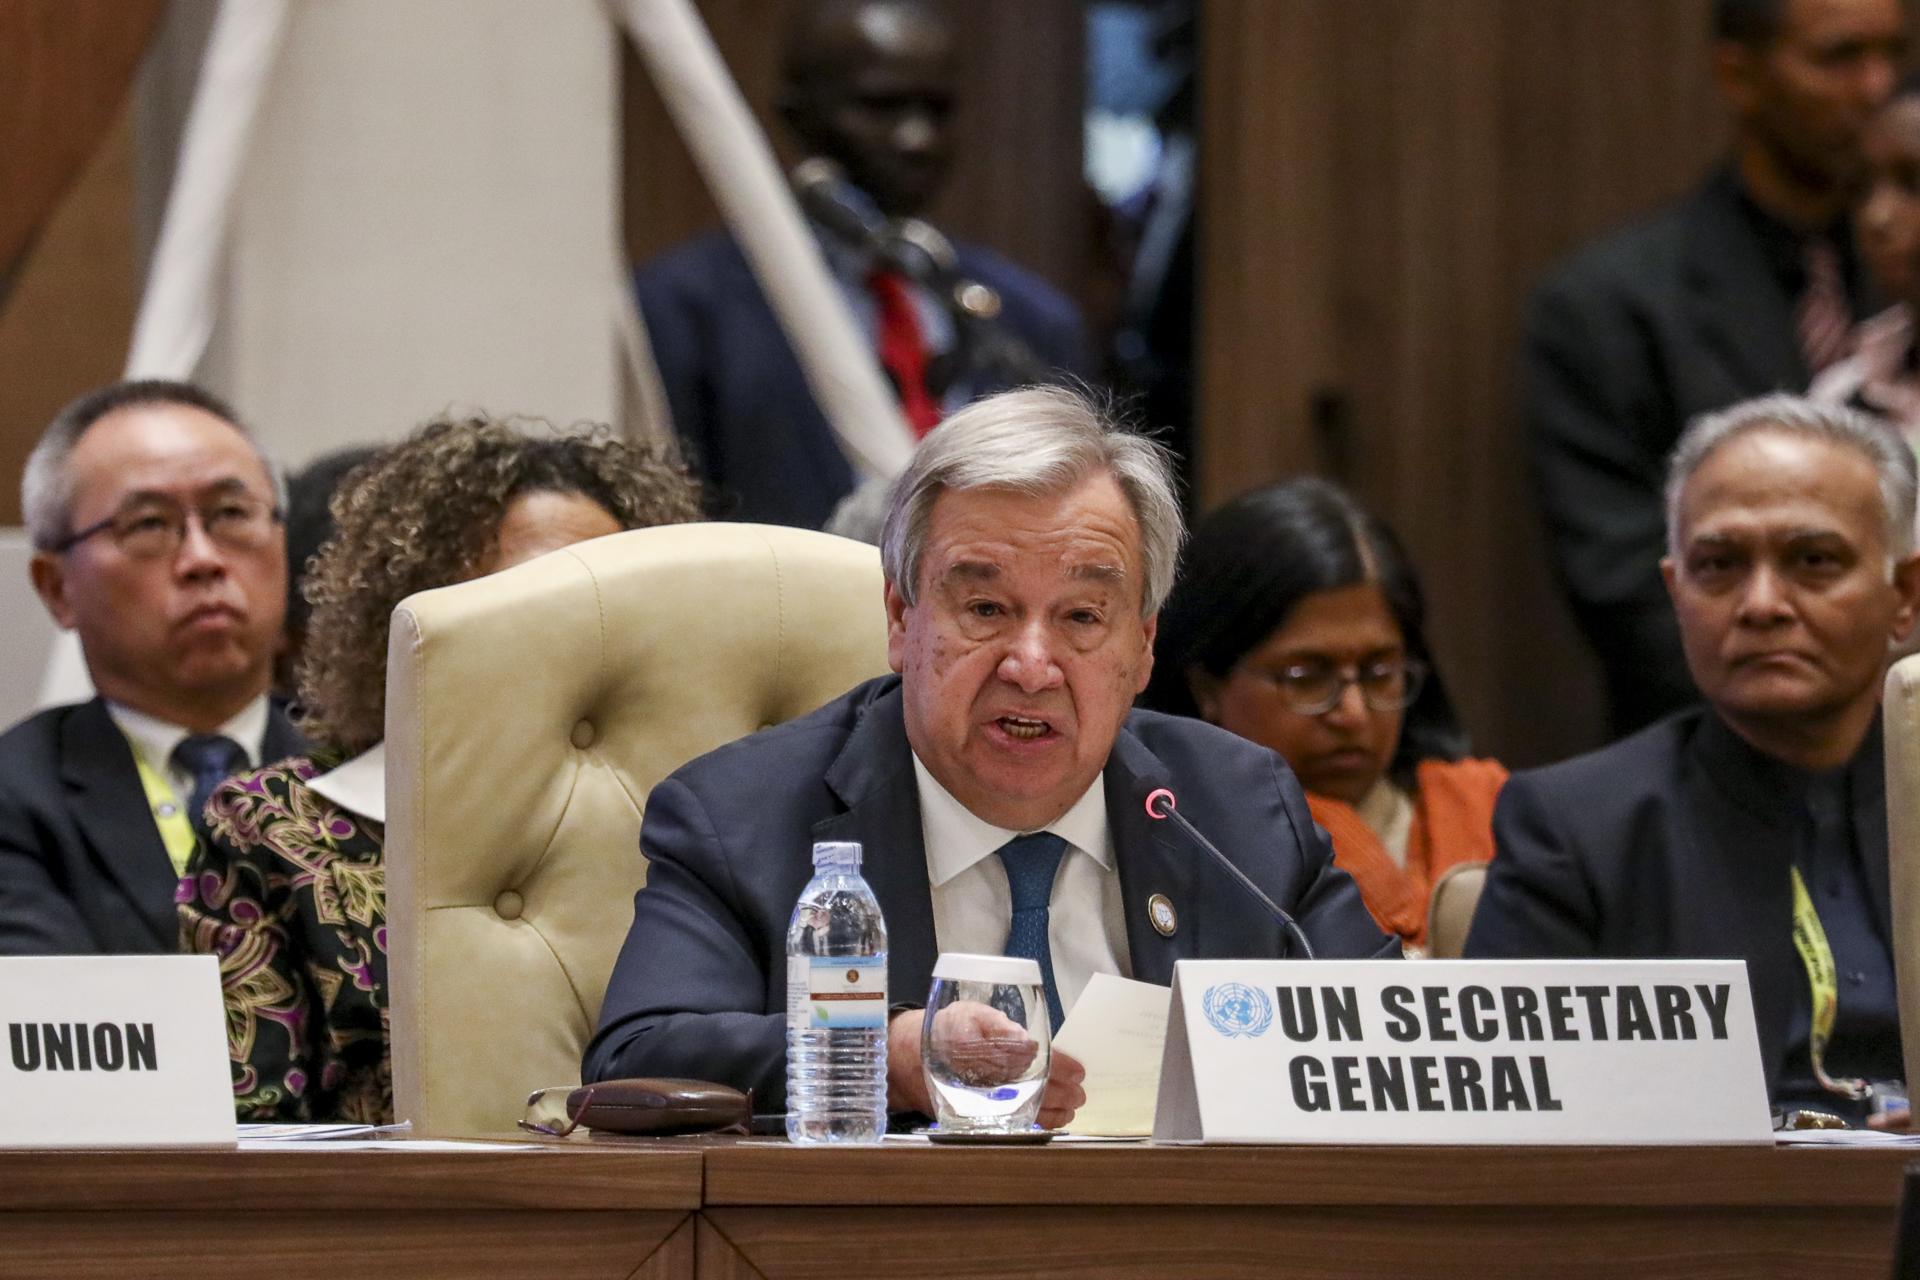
(1735, 298)
(1152, 859)
(110, 808)
(873, 776)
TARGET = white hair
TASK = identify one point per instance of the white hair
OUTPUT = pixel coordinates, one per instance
(1891, 456)
(1036, 440)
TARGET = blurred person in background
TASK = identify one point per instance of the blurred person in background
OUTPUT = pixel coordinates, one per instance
(1298, 623)
(1749, 284)
(309, 525)
(290, 892)
(870, 85)
(1882, 376)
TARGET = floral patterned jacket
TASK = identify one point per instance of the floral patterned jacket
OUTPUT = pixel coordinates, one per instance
(292, 897)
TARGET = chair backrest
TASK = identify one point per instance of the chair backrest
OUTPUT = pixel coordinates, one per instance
(1901, 716)
(1450, 909)
(528, 716)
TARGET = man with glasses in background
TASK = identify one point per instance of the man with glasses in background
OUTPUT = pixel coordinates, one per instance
(156, 526)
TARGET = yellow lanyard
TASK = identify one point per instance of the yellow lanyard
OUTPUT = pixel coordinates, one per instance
(1810, 940)
(168, 814)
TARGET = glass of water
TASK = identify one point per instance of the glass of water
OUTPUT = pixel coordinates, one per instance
(986, 1044)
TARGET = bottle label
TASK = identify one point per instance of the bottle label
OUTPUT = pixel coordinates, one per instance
(838, 992)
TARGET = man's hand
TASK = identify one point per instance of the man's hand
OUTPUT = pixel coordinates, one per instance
(991, 1046)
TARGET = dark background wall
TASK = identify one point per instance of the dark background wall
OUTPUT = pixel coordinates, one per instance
(1381, 179)
(1381, 182)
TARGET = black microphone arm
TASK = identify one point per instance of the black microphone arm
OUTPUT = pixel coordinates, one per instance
(1162, 806)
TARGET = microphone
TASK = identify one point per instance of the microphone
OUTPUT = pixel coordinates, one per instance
(1162, 806)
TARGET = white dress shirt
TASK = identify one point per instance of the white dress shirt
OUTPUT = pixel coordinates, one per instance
(973, 907)
(155, 740)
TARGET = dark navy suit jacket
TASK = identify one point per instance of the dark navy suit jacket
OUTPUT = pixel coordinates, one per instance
(700, 987)
(741, 403)
(83, 870)
(1675, 842)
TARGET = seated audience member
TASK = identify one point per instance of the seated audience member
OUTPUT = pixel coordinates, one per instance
(1297, 623)
(309, 526)
(871, 86)
(1027, 550)
(1736, 828)
(156, 533)
(291, 891)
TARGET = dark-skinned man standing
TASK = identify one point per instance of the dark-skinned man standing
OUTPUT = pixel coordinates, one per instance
(871, 86)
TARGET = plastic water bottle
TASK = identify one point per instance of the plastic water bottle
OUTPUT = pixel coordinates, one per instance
(836, 1005)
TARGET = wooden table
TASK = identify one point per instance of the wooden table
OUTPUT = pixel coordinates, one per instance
(302, 1210)
(738, 1209)
(775, 1211)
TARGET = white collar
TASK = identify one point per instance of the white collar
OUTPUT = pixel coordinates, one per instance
(155, 739)
(957, 837)
(359, 786)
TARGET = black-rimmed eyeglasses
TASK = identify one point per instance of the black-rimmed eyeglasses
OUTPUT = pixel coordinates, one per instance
(154, 529)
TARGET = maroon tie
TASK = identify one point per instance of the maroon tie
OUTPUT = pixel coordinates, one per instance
(1824, 320)
(903, 353)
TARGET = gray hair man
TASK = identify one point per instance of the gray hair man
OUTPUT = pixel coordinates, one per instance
(996, 781)
(157, 539)
(1754, 826)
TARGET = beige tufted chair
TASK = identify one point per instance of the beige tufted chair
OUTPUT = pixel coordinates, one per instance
(1450, 909)
(1902, 720)
(528, 716)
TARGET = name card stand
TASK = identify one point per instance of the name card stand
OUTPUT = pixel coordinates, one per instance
(114, 1051)
(1484, 1052)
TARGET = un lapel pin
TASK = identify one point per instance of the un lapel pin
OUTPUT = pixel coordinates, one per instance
(1160, 912)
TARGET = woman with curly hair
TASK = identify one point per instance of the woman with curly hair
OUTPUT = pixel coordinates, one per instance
(290, 892)
(1298, 623)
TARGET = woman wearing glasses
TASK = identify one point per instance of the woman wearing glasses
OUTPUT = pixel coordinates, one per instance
(1297, 623)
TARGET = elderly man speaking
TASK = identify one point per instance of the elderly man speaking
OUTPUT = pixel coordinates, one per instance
(1754, 826)
(1027, 550)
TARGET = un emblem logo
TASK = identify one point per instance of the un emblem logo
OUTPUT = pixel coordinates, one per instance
(1238, 1010)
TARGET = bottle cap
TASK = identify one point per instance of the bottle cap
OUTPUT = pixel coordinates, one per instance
(836, 853)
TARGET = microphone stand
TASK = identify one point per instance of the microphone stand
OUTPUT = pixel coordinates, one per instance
(1161, 807)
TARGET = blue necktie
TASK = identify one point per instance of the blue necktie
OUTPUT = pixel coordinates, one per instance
(211, 758)
(1031, 861)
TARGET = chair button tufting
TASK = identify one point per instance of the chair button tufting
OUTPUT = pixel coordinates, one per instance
(509, 905)
(582, 736)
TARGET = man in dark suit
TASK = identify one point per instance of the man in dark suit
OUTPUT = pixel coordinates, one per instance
(868, 84)
(1027, 550)
(157, 536)
(1747, 285)
(1753, 827)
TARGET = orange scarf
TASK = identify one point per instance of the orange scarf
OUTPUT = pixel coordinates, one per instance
(1452, 823)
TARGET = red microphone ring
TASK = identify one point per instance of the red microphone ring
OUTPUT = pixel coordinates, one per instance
(1155, 795)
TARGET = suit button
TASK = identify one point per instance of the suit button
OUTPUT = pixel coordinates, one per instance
(583, 735)
(509, 905)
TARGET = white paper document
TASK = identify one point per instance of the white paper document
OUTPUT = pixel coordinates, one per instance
(1117, 1031)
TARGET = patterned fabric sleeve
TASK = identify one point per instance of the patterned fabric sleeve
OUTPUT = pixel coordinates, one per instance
(291, 896)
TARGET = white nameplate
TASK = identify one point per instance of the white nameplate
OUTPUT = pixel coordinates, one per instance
(1462, 1051)
(118, 1051)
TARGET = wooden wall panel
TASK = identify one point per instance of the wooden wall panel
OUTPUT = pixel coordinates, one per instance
(1016, 182)
(1382, 181)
